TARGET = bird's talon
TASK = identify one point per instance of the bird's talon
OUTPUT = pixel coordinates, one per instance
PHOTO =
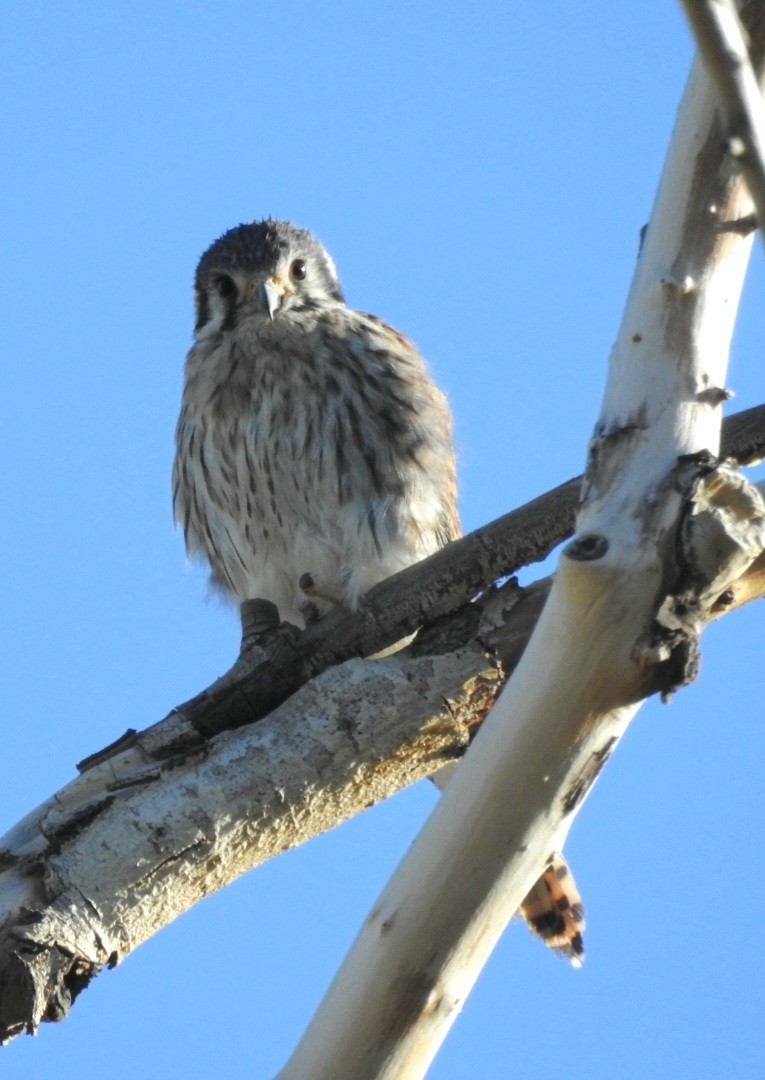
(310, 612)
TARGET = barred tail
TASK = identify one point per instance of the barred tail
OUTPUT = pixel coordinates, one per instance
(554, 911)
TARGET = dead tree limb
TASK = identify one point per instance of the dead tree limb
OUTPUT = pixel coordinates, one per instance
(663, 531)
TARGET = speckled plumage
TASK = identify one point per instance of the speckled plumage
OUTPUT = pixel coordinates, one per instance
(311, 439)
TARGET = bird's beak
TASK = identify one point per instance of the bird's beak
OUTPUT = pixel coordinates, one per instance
(270, 296)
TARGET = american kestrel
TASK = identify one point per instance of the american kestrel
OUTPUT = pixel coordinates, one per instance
(311, 440)
(313, 446)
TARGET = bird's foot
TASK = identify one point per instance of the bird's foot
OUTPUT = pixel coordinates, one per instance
(313, 588)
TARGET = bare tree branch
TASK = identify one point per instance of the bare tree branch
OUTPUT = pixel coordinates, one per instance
(722, 41)
(421, 594)
(662, 528)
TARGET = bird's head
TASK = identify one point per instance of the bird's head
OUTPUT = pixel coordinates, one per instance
(264, 269)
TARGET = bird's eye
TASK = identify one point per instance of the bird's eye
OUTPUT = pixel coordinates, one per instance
(298, 270)
(224, 286)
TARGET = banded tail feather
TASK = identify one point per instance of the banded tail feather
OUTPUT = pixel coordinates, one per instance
(554, 912)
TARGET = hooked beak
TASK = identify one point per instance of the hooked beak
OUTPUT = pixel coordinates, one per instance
(270, 297)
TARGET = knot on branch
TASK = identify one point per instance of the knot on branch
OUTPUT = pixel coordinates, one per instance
(721, 532)
(448, 633)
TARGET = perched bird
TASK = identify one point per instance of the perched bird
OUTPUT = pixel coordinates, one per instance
(312, 443)
(313, 447)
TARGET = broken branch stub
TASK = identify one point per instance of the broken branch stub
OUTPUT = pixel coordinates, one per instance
(721, 532)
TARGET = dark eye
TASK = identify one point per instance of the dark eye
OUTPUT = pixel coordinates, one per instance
(224, 286)
(298, 270)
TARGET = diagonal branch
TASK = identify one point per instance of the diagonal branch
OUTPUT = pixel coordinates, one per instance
(722, 41)
(662, 527)
(434, 588)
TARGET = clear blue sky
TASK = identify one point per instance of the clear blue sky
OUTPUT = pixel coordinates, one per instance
(480, 172)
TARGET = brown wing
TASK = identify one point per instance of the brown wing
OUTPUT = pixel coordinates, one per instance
(442, 459)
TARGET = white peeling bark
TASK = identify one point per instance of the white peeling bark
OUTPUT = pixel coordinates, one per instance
(627, 598)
